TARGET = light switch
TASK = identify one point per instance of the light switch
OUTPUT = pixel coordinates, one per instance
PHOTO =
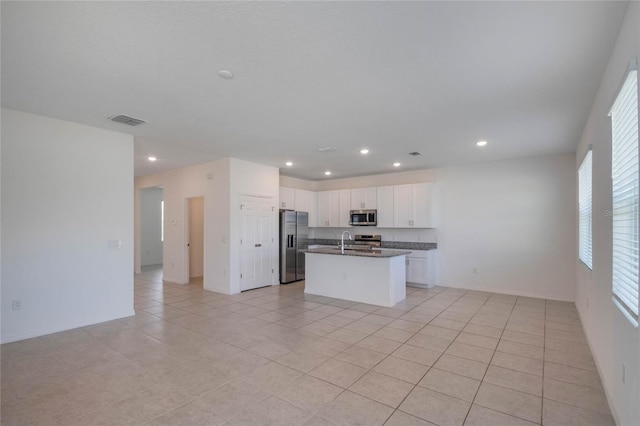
(114, 244)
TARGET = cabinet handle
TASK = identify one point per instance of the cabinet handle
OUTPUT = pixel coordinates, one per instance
(258, 245)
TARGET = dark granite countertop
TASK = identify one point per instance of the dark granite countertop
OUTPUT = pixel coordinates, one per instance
(359, 253)
(400, 245)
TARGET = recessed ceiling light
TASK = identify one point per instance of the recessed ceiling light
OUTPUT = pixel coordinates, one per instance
(289, 163)
(227, 75)
(327, 173)
(396, 164)
(364, 151)
(481, 143)
(151, 158)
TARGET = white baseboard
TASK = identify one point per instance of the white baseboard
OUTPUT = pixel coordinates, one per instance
(489, 289)
(63, 327)
(173, 280)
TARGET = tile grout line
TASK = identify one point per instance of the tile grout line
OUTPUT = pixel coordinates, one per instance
(544, 356)
(489, 363)
(430, 367)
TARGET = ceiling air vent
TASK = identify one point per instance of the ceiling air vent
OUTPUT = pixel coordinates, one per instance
(415, 153)
(327, 149)
(125, 119)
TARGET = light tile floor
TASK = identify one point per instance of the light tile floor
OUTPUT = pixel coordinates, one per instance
(276, 356)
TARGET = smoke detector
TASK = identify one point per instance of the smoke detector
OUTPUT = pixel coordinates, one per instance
(125, 119)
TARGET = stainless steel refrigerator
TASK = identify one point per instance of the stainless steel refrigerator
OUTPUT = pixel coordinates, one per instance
(294, 236)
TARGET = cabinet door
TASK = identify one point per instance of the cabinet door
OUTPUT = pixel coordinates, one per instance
(370, 198)
(364, 198)
(417, 270)
(324, 209)
(345, 206)
(287, 198)
(422, 205)
(306, 201)
(385, 206)
(402, 206)
(312, 206)
(328, 209)
(357, 199)
(300, 199)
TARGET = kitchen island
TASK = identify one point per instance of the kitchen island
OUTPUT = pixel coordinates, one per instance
(376, 277)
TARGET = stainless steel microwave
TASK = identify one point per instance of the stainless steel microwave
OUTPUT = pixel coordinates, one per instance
(363, 217)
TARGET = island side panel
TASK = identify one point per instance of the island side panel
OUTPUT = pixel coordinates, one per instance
(398, 271)
(377, 281)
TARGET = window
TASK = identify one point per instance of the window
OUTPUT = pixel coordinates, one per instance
(624, 177)
(584, 211)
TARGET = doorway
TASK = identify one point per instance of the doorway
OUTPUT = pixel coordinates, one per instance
(195, 244)
(151, 228)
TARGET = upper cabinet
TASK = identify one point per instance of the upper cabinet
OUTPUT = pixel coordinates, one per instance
(344, 209)
(328, 209)
(307, 201)
(385, 206)
(399, 206)
(414, 206)
(364, 199)
(287, 198)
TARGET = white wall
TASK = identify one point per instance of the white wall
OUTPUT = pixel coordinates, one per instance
(509, 227)
(614, 341)
(66, 191)
(221, 183)
(150, 226)
(512, 221)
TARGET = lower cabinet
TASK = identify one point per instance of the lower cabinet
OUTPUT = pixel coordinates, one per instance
(421, 268)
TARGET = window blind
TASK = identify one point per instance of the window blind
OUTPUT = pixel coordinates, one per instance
(624, 175)
(584, 210)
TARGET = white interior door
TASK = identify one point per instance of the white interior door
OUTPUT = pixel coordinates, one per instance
(256, 242)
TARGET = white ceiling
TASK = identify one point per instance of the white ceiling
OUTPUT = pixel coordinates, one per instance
(394, 77)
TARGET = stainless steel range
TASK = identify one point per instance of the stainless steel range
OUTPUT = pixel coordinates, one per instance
(367, 241)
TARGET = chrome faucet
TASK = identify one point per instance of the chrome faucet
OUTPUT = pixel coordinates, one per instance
(342, 240)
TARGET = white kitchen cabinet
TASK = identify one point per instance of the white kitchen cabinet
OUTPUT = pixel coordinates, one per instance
(328, 209)
(307, 201)
(287, 198)
(414, 206)
(420, 266)
(345, 204)
(385, 206)
(416, 270)
(364, 199)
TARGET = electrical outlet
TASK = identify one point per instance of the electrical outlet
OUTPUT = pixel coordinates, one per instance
(16, 304)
